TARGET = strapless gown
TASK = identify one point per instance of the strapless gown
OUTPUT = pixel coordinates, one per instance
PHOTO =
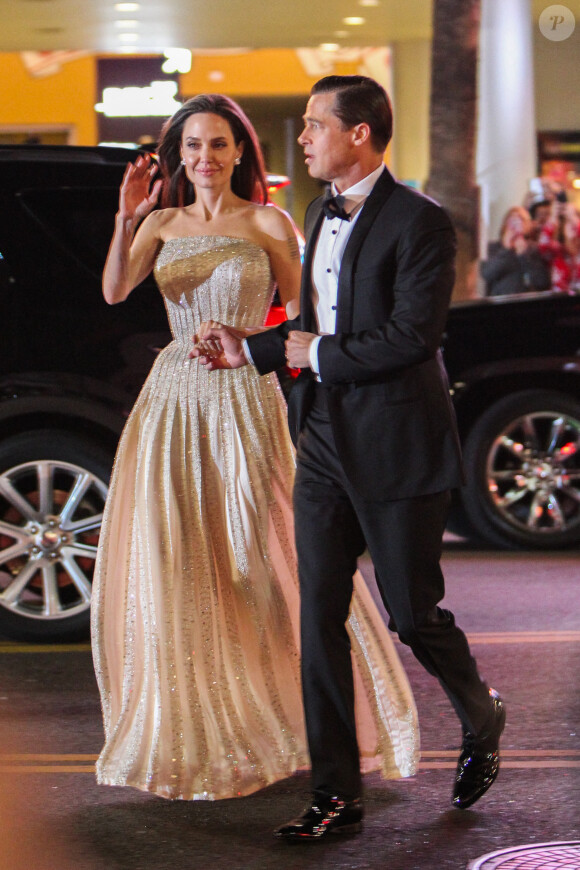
(195, 604)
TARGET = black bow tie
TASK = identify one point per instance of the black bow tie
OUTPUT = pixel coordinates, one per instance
(333, 207)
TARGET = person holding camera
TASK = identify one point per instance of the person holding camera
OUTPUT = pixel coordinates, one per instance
(515, 264)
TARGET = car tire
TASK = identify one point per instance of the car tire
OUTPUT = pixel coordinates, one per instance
(522, 460)
(53, 487)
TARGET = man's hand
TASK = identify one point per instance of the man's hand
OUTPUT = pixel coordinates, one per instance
(298, 349)
(219, 347)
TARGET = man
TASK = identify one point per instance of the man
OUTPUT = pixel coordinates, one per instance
(377, 447)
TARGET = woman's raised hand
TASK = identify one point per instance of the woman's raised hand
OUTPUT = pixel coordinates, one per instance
(137, 197)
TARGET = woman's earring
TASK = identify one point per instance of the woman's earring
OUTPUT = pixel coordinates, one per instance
(183, 162)
(237, 161)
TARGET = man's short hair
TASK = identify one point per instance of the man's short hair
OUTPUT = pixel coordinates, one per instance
(358, 100)
(536, 204)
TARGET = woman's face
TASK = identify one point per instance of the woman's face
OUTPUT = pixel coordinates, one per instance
(517, 224)
(209, 150)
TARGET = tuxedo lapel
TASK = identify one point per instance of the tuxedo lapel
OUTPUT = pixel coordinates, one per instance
(307, 318)
(375, 201)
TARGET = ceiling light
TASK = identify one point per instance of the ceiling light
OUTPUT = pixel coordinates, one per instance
(329, 46)
(126, 22)
(127, 7)
(354, 19)
(369, 2)
(129, 37)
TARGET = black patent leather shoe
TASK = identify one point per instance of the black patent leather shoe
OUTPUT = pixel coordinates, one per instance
(478, 764)
(325, 816)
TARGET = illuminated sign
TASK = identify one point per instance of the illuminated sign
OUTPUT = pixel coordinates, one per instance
(134, 96)
(154, 100)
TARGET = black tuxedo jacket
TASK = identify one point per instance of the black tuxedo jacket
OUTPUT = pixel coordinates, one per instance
(388, 395)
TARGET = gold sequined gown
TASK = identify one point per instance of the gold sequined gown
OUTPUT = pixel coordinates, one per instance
(195, 602)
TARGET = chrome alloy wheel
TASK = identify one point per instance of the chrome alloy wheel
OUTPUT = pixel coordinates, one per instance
(533, 473)
(50, 517)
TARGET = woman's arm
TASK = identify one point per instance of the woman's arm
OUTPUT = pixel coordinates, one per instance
(132, 254)
(281, 242)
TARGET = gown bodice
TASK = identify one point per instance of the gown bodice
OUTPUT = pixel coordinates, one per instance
(223, 278)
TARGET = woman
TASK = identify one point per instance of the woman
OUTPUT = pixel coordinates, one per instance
(195, 614)
(514, 264)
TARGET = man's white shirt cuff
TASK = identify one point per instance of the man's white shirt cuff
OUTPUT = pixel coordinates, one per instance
(313, 355)
(246, 351)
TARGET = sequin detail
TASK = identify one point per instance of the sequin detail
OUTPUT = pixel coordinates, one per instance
(195, 598)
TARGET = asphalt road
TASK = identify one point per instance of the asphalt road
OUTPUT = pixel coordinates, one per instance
(521, 613)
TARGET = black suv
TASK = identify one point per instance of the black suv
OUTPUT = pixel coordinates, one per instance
(514, 369)
(71, 367)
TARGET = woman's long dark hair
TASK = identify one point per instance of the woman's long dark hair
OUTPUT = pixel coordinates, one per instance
(249, 178)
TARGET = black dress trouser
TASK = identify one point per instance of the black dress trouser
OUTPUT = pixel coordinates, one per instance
(334, 525)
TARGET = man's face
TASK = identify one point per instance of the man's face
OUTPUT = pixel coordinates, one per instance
(542, 214)
(329, 149)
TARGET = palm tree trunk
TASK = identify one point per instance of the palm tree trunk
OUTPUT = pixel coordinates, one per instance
(453, 112)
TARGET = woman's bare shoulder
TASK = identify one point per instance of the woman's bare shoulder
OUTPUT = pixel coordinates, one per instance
(161, 219)
(273, 220)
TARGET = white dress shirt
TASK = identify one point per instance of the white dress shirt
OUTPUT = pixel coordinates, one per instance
(332, 240)
(330, 245)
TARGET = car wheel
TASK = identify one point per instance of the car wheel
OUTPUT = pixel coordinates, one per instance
(522, 462)
(53, 487)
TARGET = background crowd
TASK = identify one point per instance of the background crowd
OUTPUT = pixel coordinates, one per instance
(538, 246)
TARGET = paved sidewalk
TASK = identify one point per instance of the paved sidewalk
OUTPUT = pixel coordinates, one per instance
(520, 612)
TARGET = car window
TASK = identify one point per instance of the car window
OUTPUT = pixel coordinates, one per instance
(79, 220)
